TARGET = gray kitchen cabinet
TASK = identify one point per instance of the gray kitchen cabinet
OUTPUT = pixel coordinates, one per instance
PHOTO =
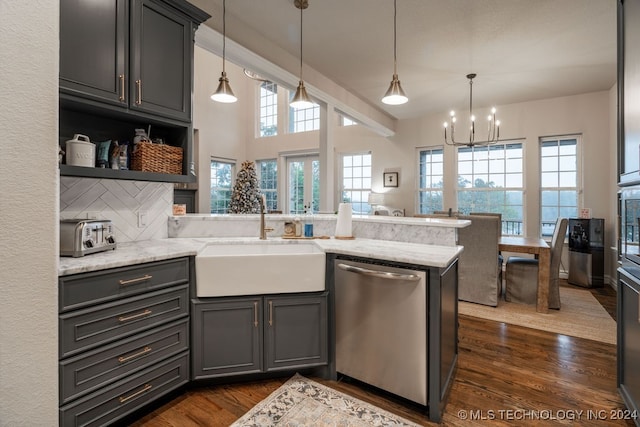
(94, 49)
(295, 331)
(137, 54)
(127, 64)
(227, 337)
(124, 339)
(161, 55)
(245, 335)
(629, 343)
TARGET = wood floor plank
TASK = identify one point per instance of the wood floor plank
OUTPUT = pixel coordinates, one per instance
(507, 375)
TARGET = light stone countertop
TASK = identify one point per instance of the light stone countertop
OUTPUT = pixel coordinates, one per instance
(131, 253)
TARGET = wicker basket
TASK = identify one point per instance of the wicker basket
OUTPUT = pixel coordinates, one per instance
(160, 158)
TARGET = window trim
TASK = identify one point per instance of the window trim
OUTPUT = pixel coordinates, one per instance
(258, 107)
(233, 164)
(419, 189)
(522, 189)
(277, 179)
(341, 188)
(579, 173)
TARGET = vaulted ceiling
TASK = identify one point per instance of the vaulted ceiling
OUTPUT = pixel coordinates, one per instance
(521, 50)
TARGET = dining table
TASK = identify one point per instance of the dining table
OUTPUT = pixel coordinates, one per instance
(541, 250)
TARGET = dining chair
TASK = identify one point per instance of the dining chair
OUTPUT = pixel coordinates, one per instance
(479, 264)
(522, 273)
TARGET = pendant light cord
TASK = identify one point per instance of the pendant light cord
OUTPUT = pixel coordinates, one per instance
(224, 32)
(395, 62)
(301, 9)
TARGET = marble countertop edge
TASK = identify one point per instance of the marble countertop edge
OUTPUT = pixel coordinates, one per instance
(131, 253)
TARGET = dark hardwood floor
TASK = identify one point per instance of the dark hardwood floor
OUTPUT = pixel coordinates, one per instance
(507, 375)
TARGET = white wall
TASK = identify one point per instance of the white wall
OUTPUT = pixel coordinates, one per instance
(222, 128)
(29, 220)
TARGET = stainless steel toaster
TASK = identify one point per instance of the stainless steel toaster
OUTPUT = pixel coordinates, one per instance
(79, 237)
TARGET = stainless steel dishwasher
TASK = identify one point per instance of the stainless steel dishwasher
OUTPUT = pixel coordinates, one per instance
(381, 327)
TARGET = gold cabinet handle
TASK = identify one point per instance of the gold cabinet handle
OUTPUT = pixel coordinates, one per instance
(255, 314)
(139, 92)
(136, 280)
(134, 316)
(122, 88)
(147, 387)
(123, 359)
(270, 313)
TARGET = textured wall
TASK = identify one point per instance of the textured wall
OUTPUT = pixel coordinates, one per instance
(29, 206)
(120, 201)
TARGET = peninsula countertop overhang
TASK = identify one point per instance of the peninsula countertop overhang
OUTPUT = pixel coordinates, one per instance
(138, 252)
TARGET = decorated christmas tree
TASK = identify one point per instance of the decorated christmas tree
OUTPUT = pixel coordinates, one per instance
(245, 195)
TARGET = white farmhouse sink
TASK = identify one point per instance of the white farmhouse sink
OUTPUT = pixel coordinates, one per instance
(227, 269)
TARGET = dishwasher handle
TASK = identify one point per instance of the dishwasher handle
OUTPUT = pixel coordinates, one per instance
(380, 274)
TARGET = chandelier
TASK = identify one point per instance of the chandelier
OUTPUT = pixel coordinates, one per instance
(493, 125)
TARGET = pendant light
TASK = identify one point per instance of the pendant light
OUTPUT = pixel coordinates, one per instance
(395, 95)
(301, 100)
(224, 93)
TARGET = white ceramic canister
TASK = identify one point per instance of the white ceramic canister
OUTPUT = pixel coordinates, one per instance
(81, 151)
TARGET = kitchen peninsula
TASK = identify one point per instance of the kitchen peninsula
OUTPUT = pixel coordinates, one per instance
(155, 289)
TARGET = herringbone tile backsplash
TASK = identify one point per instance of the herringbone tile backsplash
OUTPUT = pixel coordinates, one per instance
(120, 201)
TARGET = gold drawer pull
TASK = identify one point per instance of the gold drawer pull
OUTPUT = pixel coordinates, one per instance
(270, 313)
(135, 316)
(123, 359)
(147, 387)
(139, 91)
(136, 280)
(122, 88)
(255, 314)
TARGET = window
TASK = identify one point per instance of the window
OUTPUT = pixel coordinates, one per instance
(490, 179)
(268, 177)
(303, 185)
(558, 181)
(304, 119)
(430, 180)
(356, 181)
(221, 183)
(346, 121)
(268, 109)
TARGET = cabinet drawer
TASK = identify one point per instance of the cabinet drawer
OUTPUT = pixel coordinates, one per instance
(89, 328)
(81, 290)
(94, 369)
(123, 397)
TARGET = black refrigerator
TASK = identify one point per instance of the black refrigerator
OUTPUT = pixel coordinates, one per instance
(586, 252)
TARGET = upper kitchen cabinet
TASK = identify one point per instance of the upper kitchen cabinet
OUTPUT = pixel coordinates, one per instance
(135, 54)
(628, 92)
(94, 54)
(124, 65)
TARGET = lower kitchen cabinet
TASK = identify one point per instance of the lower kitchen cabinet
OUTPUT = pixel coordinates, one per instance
(124, 340)
(255, 334)
(629, 342)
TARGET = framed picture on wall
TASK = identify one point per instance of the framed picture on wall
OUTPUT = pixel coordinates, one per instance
(390, 179)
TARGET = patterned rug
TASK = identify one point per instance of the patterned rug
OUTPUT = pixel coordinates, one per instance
(580, 315)
(302, 402)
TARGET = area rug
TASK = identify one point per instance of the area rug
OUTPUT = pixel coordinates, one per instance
(303, 402)
(580, 315)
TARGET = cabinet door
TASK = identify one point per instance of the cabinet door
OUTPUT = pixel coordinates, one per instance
(226, 337)
(629, 341)
(295, 332)
(93, 49)
(161, 45)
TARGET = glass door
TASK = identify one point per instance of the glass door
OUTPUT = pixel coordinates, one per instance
(303, 184)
